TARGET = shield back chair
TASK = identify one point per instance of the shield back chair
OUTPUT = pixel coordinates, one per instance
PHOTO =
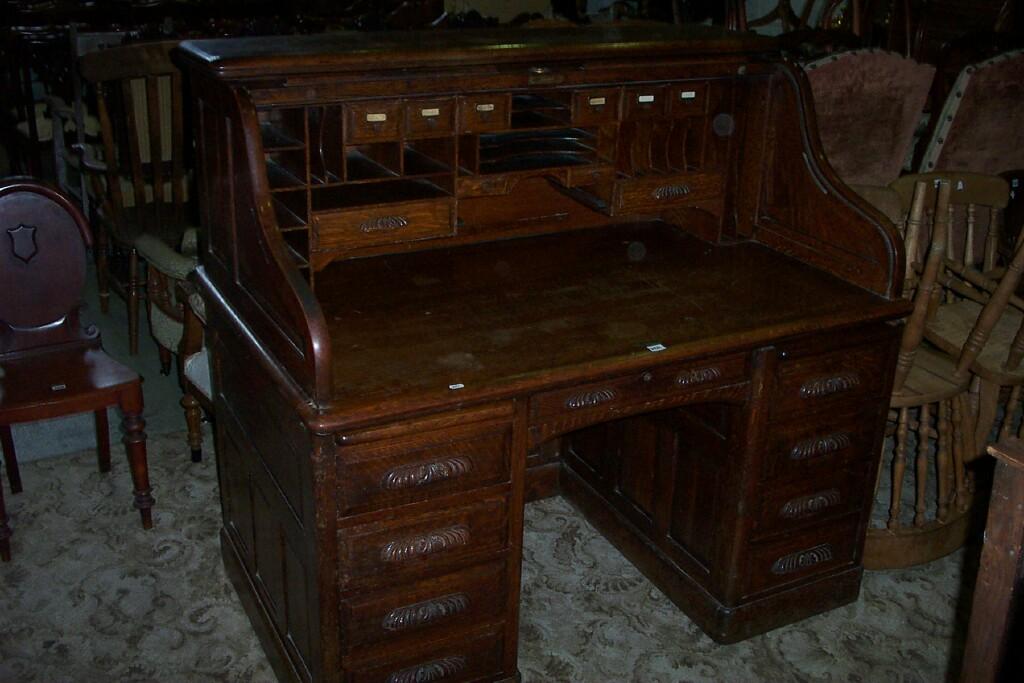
(52, 365)
(980, 127)
(971, 278)
(142, 182)
(928, 492)
(868, 104)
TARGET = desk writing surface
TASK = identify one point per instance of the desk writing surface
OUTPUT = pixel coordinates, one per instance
(502, 313)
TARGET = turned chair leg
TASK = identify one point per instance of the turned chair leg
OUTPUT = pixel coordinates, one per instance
(943, 459)
(924, 431)
(102, 270)
(165, 360)
(135, 447)
(899, 465)
(193, 419)
(10, 459)
(133, 302)
(102, 440)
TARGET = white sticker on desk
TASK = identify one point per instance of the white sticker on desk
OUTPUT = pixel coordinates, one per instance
(688, 95)
(485, 107)
(655, 348)
(644, 99)
(597, 101)
(376, 118)
(455, 387)
(427, 113)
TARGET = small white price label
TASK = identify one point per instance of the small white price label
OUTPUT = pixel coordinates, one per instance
(655, 348)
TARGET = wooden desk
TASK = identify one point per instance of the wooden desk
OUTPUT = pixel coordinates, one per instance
(449, 272)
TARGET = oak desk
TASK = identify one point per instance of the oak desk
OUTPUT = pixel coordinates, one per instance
(449, 272)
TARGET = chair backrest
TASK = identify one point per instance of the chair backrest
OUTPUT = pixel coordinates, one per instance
(140, 109)
(981, 125)
(42, 265)
(867, 104)
(976, 205)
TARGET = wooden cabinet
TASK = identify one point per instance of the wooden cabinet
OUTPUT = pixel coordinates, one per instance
(446, 272)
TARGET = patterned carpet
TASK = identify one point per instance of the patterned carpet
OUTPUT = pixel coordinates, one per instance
(91, 597)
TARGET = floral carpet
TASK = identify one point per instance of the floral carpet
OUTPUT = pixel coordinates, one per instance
(92, 597)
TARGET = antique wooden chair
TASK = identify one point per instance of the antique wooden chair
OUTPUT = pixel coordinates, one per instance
(981, 125)
(931, 385)
(868, 104)
(142, 181)
(196, 382)
(971, 277)
(52, 366)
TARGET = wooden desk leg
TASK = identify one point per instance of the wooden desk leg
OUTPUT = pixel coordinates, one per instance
(10, 460)
(135, 446)
(1001, 573)
(102, 440)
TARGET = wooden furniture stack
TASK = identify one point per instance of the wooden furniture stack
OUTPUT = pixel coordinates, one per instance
(448, 272)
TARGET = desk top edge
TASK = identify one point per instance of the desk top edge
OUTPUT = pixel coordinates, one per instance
(349, 50)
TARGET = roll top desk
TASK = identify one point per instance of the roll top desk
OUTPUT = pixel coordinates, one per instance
(450, 272)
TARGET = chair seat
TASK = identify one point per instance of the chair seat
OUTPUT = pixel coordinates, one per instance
(197, 371)
(930, 380)
(951, 326)
(55, 383)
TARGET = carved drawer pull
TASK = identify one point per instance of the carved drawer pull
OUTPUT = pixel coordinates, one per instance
(787, 564)
(588, 399)
(422, 474)
(420, 613)
(425, 544)
(809, 505)
(437, 670)
(818, 446)
(698, 376)
(825, 386)
(671, 191)
(383, 223)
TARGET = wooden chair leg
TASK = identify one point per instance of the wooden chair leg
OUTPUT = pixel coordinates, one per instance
(102, 270)
(921, 465)
(133, 302)
(165, 360)
(135, 447)
(943, 456)
(193, 419)
(899, 465)
(1009, 413)
(102, 440)
(5, 531)
(959, 456)
(988, 406)
(10, 458)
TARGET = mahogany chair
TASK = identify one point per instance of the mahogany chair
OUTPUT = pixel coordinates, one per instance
(142, 181)
(930, 397)
(52, 365)
(196, 382)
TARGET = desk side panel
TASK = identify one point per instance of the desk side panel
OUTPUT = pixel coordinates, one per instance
(244, 255)
(803, 208)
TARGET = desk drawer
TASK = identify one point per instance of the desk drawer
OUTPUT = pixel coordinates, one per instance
(426, 118)
(383, 224)
(395, 550)
(665, 191)
(818, 550)
(595, 106)
(789, 505)
(428, 608)
(394, 473)
(373, 120)
(482, 113)
(848, 378)
(808, 446)
(640, 386)
(476, 657)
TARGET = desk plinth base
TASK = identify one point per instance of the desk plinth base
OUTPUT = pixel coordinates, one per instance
(722, 623)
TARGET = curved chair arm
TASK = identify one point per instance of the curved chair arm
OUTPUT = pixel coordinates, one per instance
(89, 160)
(165, 259)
